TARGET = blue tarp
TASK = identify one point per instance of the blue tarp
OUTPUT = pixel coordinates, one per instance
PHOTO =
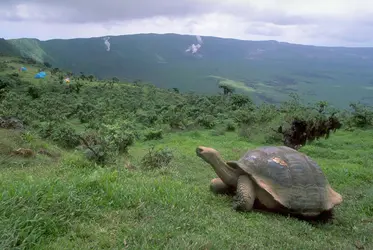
(23, 69)
(40, 75)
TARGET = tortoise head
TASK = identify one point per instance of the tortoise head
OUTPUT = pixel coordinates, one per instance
(207, 154)
(226, 173)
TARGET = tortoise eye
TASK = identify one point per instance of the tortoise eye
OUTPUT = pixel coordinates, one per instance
(199, 151)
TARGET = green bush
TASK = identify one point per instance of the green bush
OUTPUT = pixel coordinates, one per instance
(206, 121)
(153, 134)
(118, 136)
(230, 125)
(157, 158)
(65, 136)
(76, 160)
(361, 116)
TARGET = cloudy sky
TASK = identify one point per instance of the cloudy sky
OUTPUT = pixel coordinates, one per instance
(318, 22)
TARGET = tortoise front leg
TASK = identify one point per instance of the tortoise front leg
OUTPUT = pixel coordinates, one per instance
(217, 186)
(245, 194)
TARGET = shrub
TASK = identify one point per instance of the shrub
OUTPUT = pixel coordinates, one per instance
(106, 143)
(153, 134)
(361, 116)
(65, 136)
(118, 136)
(34, 92)
(217, 132)
(206, 121)
(157, 158)
(76, 160)
(230, 125)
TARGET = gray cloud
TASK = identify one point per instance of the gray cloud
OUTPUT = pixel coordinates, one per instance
(269, 15)
(84, 11)
(355, 31)
(264, 29)
(302, 23)
(356, 35)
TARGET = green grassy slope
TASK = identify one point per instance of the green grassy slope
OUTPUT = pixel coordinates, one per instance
(270, 68)
(66, 201)
(7, 49)
(68, 204)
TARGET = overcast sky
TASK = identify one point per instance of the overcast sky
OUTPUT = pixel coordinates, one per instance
(318, 22)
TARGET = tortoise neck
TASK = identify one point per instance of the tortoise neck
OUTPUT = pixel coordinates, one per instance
(226, 173)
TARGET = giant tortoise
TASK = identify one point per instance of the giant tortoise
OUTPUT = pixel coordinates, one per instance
(277, 178)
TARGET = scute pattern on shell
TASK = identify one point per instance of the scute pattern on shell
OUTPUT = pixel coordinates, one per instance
(291, 177)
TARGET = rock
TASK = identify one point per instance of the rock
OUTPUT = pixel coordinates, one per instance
(24, 152)
(11, 123)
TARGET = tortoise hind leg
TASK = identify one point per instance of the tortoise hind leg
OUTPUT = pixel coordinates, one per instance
(217, 186)
(245, 194)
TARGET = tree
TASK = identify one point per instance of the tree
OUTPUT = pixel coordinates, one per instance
(227, 90)
(82, 76)
(47, 64)
(90, 78)
(361, 115)
(239, 100)
(137, 81)
(78, 86)
(55, 71)
(176, 90)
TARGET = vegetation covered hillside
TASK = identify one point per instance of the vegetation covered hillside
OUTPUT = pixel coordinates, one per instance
(267, 70)
(7, 49)
(105, 164)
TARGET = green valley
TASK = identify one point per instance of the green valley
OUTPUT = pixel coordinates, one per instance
(269, 70)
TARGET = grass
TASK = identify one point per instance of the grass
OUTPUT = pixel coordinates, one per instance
(235, 84)
(30, 48)
(14, 65)
(71, 204)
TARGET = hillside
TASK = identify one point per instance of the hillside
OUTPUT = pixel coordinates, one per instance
(267, 70)
(96, 164)
(7, 49)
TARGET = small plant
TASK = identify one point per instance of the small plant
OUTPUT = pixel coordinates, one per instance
(28, 137)
(217, 132)
(244, 131)
(157, 158)
(45, 129)
(76, 160)
(230, 125)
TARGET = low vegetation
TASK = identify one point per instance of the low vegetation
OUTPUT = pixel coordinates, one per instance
(111, 165)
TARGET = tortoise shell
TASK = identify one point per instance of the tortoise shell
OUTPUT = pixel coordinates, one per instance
(292, 178)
